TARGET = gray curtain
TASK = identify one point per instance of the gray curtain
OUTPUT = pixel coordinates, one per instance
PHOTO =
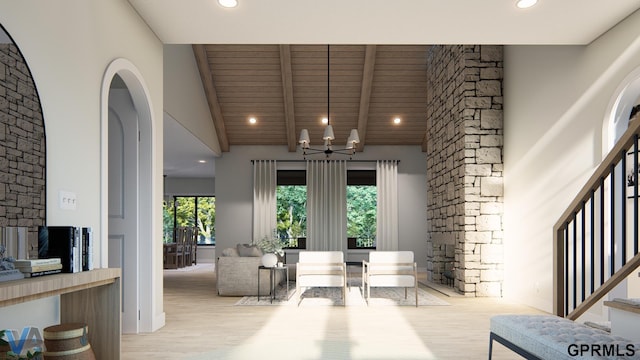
(264, 198)
(327, 205)
(387, 219)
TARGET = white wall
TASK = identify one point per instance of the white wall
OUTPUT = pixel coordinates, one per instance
(555, 100)
(189, 187)
(184, 97)
(68, 45)
(234, 192)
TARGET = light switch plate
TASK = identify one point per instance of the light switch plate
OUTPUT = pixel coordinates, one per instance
(67, 200)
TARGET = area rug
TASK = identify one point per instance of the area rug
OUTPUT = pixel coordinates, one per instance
(325, 296)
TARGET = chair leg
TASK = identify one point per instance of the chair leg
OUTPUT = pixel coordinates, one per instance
(415, 285)
(344, 294)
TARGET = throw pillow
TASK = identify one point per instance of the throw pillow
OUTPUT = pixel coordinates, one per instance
(248, 250)
(233, 252)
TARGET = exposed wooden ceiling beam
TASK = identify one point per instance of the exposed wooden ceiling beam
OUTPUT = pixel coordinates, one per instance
(200, 53)
(287, 95)
(365, 93)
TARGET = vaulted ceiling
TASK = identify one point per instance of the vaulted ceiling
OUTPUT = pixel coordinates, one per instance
(286, 88)
(246, 73)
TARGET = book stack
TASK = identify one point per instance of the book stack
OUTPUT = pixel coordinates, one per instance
(73, 245)
(39, 267)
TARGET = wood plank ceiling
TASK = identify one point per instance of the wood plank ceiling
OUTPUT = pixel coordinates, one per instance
(284, 87)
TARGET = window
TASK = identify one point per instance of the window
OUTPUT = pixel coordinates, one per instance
(291, 197)
(168, 209)
(190, 211)
(291, 200)
(361, 209)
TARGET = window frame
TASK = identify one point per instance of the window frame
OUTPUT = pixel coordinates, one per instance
(195, 209)
(358, 177)
(294, 178)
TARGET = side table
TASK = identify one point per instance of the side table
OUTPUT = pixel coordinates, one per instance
(272, 280)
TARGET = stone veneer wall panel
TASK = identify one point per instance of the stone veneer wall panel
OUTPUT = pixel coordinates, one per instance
(445, 157)
(22, 147)
(466, 219)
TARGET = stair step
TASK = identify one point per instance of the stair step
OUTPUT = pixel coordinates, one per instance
(604, 326)
(632, 305)
(632, 302)
(625, 316)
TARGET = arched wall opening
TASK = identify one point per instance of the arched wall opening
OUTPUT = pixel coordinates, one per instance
(143, 270)
(622, 109)
(22, 150)
(624, 99)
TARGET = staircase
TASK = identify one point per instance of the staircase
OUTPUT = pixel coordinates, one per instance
(596, 238)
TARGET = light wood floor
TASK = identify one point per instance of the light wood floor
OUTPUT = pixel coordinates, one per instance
(202, 325)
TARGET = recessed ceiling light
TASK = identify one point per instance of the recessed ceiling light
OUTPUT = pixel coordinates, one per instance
(325, 120)
(523, 4)
(253, 120)
(202, 161)
(397, 120)
(228, 3)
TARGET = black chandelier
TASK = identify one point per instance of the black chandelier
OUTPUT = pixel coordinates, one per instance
(328, 148)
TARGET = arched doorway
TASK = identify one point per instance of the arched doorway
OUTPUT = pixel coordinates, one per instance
(617, 121)
(127, 189)
(624, 99)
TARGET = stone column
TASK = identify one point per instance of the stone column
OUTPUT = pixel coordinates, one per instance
(466, 99)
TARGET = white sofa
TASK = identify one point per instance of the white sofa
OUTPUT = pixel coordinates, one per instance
(390, 269)
(321, 269)
(237, 272)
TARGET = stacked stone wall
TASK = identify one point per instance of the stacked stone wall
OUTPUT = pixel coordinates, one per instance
(22, 147)
(465, 167)
(482, 258)
(445, 157)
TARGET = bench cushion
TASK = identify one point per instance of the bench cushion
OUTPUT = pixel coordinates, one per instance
(549, 336)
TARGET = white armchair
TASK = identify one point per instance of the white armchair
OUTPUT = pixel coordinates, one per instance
(321, 269)
(390, 269)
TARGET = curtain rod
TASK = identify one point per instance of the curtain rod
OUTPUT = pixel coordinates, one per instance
(302, 161)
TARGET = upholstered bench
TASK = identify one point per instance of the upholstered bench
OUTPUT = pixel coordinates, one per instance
(553, 337)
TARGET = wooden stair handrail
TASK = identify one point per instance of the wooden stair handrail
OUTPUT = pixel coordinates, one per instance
(608, 285)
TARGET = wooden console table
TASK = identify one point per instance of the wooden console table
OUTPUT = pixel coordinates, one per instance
(91, 297)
